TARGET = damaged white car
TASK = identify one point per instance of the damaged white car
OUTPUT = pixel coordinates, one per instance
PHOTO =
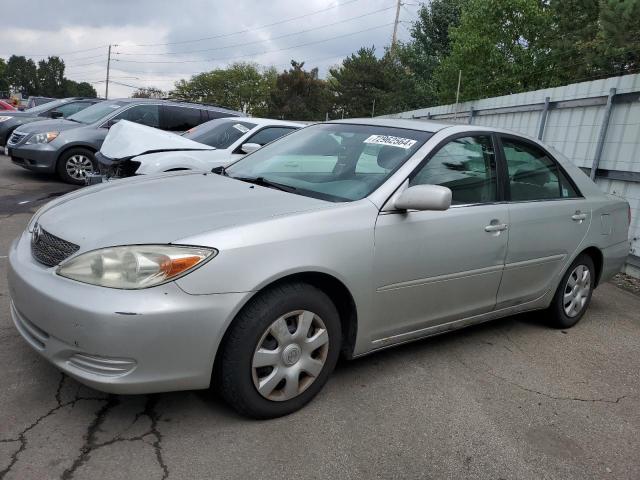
(134, 149)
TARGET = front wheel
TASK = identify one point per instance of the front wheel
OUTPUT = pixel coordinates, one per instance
(74, 165)
(574, 293)
(280, 351)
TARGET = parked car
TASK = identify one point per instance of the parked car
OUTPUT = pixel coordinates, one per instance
(6, 106)
(68, 146)
(341, 238)
(133, 149)
(37, 101)
(63, 108)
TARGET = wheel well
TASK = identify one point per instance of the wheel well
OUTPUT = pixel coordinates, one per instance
(598, 261)
(86, 147)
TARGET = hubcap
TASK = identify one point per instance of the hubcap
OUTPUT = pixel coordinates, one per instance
(290, 355)
(576, 291)
(78, 166)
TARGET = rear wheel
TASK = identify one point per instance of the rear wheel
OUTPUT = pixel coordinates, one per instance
(279, 351)
(74, 165)
(574, 293)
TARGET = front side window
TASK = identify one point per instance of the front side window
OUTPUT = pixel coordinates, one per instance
(148, 115)
(269, 134)
(533, 175)
(467, 166)
(219, 134)
(338, 162)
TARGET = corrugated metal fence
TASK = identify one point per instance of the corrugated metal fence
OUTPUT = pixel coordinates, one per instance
(596, 124)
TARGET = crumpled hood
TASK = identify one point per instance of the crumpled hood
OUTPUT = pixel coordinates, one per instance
(56, 125)
(127, 139)
(164, 209)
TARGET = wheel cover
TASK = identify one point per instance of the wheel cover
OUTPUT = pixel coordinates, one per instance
(576, 290)
(290, 355)
(78, 166)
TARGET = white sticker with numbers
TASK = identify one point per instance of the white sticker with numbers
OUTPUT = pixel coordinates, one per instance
(391, 141)
(242, 128)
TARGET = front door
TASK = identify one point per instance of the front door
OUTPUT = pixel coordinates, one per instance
(548, 219)
(435, 267)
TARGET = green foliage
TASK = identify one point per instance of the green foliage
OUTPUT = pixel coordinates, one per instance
(50, 77)
(4, 84)
(241, 86)
(148, 92)
(21, 75)
(299, 94)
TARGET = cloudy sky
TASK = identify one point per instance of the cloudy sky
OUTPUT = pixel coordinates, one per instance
(161, 41)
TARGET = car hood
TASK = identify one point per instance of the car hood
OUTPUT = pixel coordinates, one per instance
(164, 209)
(127, 139)
(57, 125)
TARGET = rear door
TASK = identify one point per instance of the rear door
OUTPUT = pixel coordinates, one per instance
(548, 219)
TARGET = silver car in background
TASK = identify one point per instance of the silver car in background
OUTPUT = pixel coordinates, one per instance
(340, 238)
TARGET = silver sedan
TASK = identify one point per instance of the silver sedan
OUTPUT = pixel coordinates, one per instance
(342, 238)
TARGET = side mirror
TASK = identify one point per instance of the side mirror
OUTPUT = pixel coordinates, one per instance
(250, 147)
(424, 197)
(56, 114)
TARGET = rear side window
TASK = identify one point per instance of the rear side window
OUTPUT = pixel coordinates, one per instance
(533, 174)
(213, 114)
(269, 134)
(467, 166)
(148, 115)
(180, 119)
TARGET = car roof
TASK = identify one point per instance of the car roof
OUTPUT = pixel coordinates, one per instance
(412, 124)
(270, 121)
(176, 102)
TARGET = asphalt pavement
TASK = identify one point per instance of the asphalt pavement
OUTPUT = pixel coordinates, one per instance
(511, 399)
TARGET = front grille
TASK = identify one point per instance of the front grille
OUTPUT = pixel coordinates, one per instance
(49, 249)
(15, 138)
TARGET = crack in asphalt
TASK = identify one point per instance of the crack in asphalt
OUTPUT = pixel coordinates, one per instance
(91, 445)
(22, 439)
(544, 394)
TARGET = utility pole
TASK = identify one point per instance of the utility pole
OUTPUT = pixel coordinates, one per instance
(395, 25)
(373, 108)
(106, 88)
(455, 115)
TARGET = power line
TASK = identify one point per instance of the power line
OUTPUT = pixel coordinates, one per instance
(56, 54)
(263, 40)
(246, 30)
(256, 53)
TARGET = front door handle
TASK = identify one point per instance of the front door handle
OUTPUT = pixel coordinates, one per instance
(499, 227)
(579, 216)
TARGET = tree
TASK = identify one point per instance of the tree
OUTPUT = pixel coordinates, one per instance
(75, 89)
(620, 34)
(299, 94)
(363, 79)
(241, 86)
(149, 92)
(22, 75)
(4, 83)
(430, 44)
(499, 47)
(51, 77)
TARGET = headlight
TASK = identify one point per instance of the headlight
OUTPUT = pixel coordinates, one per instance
(135, 266)
(4, 118)
(42, 137)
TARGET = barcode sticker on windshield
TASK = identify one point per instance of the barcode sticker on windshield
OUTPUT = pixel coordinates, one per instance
(241, 127)
(391, 141)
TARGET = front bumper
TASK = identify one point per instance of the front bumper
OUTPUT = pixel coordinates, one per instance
(118, 341)
(39, 157)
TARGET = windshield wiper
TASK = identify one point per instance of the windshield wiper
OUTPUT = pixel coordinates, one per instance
(266, 183)
(72, 120)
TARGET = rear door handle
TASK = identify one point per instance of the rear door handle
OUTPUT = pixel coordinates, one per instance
(496, 228)
(578, 216)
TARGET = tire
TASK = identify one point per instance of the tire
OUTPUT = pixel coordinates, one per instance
(266, 348)
(577, 284)
(74, 164)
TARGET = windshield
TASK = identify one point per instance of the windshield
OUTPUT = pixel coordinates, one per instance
(45, 107)
(219, 133)
(96, 112)
(338, 162)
